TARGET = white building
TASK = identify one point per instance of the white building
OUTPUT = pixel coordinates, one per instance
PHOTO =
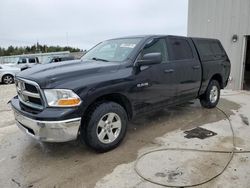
(228, 21)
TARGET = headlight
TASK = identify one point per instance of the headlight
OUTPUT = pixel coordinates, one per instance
(61, 98)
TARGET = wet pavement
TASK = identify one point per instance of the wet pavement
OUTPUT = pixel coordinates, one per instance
(26, 162)
(174, 160)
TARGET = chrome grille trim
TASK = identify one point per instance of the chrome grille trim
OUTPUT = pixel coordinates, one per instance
(34, 95)
(24, 95)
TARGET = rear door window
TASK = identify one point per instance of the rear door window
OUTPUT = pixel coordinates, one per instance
(179, 49)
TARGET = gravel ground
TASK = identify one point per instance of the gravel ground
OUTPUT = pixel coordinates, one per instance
(6, 93)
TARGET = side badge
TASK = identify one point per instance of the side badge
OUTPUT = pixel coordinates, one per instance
(142, 85)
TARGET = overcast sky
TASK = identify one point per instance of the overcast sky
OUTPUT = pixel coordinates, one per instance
(82, 23)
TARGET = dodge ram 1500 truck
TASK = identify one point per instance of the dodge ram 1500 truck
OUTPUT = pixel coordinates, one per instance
(94, 98)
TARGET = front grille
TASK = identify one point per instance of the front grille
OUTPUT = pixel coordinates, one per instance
(35, 100)
(29, 93)
(30, 88)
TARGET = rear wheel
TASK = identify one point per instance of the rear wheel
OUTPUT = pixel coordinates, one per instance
(8, 79)
(211, 97)
(105, 126)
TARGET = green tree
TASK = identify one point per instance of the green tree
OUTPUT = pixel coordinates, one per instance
(11, 50)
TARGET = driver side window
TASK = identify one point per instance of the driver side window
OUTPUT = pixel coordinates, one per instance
(21, 61)
(156, 45)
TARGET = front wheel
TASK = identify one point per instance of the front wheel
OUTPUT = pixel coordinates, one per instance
(211, 97)
(105, 127)
(8, 79)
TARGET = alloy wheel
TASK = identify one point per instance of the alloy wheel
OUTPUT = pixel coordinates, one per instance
(109, 128)
(213, 94)
(8, 79)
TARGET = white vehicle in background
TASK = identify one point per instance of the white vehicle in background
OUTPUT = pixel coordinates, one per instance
(8, 73)
(25, 62)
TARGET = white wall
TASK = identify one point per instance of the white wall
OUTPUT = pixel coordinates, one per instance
(222, 19)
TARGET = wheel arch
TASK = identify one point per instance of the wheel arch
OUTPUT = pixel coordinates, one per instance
(6, 74)
(113, 97)
(218, 78)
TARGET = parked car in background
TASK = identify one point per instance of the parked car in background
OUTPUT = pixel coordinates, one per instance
(93, 98)
(8, 73)
(25, 62)
(59, 59)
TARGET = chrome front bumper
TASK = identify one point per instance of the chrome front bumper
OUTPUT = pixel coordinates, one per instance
(48, 131)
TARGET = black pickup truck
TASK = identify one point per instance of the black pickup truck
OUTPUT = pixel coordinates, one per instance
(94, 98)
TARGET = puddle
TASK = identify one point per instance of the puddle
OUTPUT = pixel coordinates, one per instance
(199, 132)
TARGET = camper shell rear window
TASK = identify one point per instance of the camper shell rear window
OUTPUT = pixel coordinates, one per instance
(210, 49)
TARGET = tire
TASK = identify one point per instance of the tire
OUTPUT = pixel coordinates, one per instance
(8, 79)
(211, 97)
(105, 127)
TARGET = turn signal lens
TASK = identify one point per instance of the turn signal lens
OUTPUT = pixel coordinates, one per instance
(68, 102)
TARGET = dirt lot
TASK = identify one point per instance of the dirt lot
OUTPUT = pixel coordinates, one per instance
(28, 163)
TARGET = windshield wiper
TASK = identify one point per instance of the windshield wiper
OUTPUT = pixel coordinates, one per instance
(99, 59)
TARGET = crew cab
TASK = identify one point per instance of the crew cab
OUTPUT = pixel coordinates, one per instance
(25, 62)
(94, 98)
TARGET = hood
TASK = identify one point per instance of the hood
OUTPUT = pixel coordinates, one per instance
(10, 67)
(10, 64)
(50, 75)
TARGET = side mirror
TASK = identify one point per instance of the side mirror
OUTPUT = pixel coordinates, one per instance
(150, 59)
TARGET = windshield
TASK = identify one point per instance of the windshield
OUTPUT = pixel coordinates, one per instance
(112, 50)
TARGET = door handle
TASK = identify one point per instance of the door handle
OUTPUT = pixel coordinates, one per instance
(169, 70)
(196, 67)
